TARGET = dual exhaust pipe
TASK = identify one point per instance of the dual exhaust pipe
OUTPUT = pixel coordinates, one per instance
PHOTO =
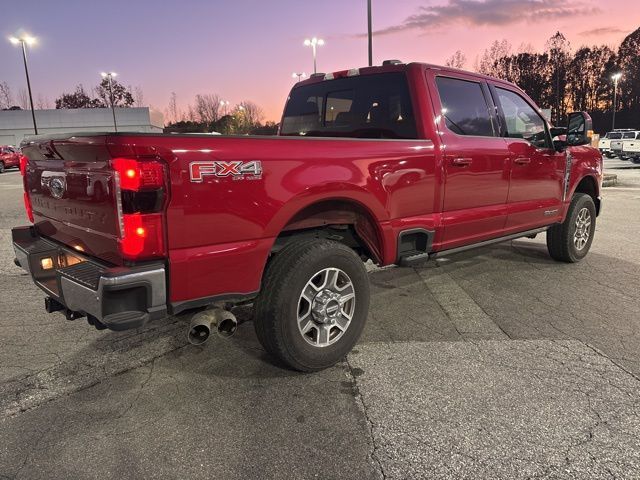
(202, 323)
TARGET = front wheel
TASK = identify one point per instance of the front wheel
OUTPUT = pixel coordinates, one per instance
(1, 167)
(313, 304)
(571, 240)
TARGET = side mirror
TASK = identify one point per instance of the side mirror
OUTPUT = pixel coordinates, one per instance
(579, 129)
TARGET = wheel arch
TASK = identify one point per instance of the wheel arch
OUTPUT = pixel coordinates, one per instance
(352, 216)
(589, 185)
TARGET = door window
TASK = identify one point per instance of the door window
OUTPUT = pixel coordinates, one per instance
(522, 121)
(464, 107)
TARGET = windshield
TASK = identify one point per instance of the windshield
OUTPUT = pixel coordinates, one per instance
(614, 136)
(370, 106)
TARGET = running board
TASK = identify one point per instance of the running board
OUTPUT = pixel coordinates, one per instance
(452, 251)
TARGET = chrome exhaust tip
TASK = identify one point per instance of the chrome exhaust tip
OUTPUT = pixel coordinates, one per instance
(203, 322)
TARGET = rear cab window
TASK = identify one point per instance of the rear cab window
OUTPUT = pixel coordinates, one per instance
(367, 106)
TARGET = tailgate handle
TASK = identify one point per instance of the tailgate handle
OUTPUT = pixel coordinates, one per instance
(522, 161)
(462, 162)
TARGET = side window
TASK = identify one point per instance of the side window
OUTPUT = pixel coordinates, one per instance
(464, 107)
(522, 120)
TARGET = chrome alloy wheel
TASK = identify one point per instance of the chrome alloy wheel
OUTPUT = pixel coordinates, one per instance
(325, 307)
(583, 229)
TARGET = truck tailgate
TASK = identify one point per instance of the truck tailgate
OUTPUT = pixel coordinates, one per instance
(72, 191)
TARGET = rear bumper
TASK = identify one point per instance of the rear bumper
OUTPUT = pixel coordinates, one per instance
(118, 297)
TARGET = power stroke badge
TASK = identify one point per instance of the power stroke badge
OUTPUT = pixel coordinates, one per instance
(238, 170)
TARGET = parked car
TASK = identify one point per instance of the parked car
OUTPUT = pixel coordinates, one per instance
(9, 157)
(631, 149)
(617, 149)
(398, 164)
(604, 144)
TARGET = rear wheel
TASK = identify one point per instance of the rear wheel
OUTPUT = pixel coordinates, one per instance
(1, 167)
(571, 240)
(313, 304)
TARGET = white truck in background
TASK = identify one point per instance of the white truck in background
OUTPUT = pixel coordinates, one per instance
(616, 148)
(631, 149)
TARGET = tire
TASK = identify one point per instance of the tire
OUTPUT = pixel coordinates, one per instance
(564, 242)
(299, 268)
(1, 167)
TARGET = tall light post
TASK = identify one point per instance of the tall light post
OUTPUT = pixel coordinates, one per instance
(299, 76)
(314, 43)
(370, 34)
(109, 76)
(24, 41)
(616, 78)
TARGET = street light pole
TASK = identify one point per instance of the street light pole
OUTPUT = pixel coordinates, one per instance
(370, 33)
(300, 76)
(109, 76)
(314, 43)
(225, 107)
(616, 77)
(24, 41)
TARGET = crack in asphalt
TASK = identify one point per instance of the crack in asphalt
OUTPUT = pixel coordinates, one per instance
(50, 384)
(373, 454)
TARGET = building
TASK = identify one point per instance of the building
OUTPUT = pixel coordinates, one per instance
(17, 124)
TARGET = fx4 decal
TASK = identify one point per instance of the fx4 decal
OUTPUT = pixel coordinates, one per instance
(237, 170)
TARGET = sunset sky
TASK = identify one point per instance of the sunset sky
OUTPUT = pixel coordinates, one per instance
(248, 49)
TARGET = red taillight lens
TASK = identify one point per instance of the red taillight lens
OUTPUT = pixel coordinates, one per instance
(28, 207)
(143, 236)
(139, 175)
(23, 165)
(142, 183)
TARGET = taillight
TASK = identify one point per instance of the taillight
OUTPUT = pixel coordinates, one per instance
(23, 165)
(28, 207)
(143, 236)
(136, 175)
(141, 207)
(27, 201)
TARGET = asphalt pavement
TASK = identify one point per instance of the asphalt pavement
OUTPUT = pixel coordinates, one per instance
(496, 363)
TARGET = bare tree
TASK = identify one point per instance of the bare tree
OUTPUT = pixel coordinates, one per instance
(559, 51)
(248, 115)
(23, 99)
(207, 108)
(490, 58)
(457, 60)
(138, 96)
(171, 114)
(42, 102)
(526, 48)
(6, 98)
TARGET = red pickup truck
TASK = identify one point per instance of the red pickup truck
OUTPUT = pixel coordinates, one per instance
(395, 164)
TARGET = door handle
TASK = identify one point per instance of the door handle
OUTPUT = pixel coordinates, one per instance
(522, 161)
(462, 162)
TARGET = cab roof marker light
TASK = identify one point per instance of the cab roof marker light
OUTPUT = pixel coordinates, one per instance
(353, 72)
(329, 76)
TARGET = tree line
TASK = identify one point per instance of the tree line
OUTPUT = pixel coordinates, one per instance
(566, 80)
(210, 113)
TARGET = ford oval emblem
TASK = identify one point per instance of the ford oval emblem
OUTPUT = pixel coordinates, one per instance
(57, 186)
